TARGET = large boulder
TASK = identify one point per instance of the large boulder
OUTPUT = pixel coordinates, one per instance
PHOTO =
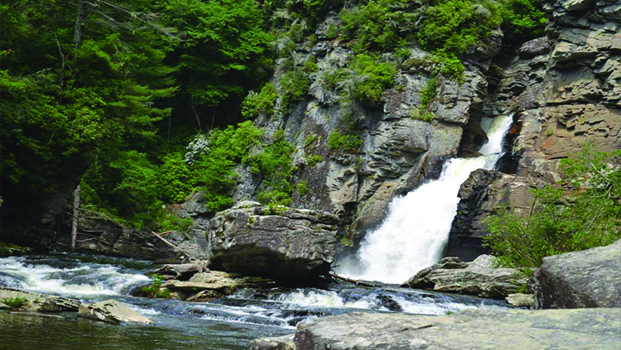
(35, 302)
(280, 242)
(471, 329)
(111, 311)
(588, 278)
(480, 277)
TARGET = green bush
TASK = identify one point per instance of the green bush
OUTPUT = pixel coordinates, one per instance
(274, 163)
(585, 216)
(14, 303)
(429, 92)
(344, 143)
(294, 87)
(372, 78)
(263, 102)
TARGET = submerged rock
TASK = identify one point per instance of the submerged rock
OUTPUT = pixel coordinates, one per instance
(36, 302)
(470, 329)
(111, 311)
(588, 278)
(479, 277)
(260, 241)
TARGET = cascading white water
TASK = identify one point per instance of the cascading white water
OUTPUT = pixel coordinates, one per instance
(415, 231)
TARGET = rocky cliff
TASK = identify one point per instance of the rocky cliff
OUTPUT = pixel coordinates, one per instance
(564, 91)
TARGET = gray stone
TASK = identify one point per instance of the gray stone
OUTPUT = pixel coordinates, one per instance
(588, 278)
(273, 242)
(111, 311)
(37, 302)
(205, 286)
(481, 277)
(522, 300)
(468, 330)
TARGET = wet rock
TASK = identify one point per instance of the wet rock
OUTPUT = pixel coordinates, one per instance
(181, 272)
(480, 277)
(38, 302)
(470, 329)
(111, 311)
(588, 278)
(276, 343)
(211, 285)
(522, 300)
(271, 242)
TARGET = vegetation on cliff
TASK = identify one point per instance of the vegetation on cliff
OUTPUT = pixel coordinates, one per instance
(581, 212)
(113, 93)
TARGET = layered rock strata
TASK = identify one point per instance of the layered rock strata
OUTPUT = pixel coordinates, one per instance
(277, 242)
(480, 277)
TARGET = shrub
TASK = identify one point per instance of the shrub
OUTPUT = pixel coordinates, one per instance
(294, 87)
(429, 92)
(274, 163)
(263, 102)
(372, 78)
(14, 303)
(586, 216)
(344, 143)
(155, 290)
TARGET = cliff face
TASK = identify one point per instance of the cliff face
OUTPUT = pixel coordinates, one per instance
(399, 148)
(565, 91)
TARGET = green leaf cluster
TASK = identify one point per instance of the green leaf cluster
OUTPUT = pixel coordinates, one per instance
(372, 77)
(274, 164)
(262, 102)
(584, 212)
(344, 143)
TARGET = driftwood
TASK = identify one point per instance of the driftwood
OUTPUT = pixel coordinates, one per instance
(186, 253)
(352, 281)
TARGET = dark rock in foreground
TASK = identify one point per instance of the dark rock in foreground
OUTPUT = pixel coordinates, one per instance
(588, 278)
(254, 239)
(479, 277)
(471, 329)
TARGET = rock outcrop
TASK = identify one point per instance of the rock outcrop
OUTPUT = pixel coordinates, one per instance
(588, 278)
(481, 195)
(99, 234)
(111, 311)
(37, 302)
(256, 240)
(471, 329)
(564, 91)
(205, 286)
(480, 277)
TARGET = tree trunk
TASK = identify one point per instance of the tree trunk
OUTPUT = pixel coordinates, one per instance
(74, 226)
(78, 25)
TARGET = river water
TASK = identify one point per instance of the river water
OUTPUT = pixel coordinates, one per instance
(228, 323)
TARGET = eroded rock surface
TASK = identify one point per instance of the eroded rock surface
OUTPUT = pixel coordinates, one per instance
(589, 278)
(480, 277)
(253, 239)
(38, 302)
(471, 329)
(111, 311)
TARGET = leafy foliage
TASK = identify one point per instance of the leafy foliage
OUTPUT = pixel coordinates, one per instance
(14, 303)
(586, 216)
(344, 143)
(263, 102)
(274, 165)
(372, 78)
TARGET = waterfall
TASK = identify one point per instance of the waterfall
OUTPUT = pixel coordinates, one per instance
(416, 228)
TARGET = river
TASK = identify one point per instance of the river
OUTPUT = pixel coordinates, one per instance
(228, 323)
